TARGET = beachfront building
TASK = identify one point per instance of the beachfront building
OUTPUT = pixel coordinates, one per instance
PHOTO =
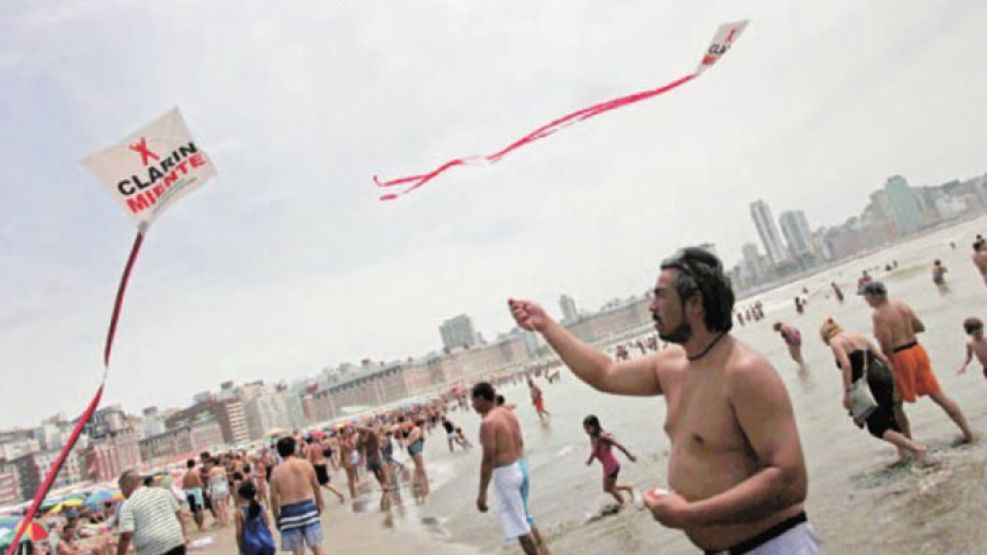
(265, 411)
(768, 231)
(801, 246)
(182, 441)
(568, 306)
(612, 321)
(152, 423)
(507, 352)
(753, 266)
(107, 457)
(32, 468)
(374, 385)
(902, 205)
(458, 332)
(18, 446)
(232, 420)
(320, 406)
(10, 489)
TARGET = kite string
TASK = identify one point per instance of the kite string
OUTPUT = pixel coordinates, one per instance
(56, 467)
(553, 126)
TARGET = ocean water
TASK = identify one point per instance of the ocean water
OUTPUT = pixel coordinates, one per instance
(856, 503)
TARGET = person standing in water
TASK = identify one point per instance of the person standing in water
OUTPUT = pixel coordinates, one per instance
(895, 326)
(504, 464)
(857, 358)
(974, 327)
(793, 339)
(736, 469)
(837, 291)
(538, 399)
(939, 273)
(601, 448)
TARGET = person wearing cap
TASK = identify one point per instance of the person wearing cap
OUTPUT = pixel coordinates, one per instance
(150, 518)
(895, 327)
(736, 470)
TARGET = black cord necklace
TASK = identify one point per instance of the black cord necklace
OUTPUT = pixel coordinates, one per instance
(708, 348)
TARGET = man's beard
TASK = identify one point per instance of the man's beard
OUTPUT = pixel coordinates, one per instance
(678, 336)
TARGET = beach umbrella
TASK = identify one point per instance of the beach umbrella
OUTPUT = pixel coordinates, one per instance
(9, 521)
(34, 531)
(7, 536)
(97, 497)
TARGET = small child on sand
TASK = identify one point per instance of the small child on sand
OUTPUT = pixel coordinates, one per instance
(974, 327)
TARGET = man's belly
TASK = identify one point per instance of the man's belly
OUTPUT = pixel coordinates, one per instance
(697, 475)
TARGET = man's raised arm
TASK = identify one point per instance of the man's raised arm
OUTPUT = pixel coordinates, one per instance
(631, 377)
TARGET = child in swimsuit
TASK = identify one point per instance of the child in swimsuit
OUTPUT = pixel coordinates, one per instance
(601, 447)
(974, 328)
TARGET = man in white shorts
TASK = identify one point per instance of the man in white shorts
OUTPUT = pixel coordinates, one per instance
(504, 464)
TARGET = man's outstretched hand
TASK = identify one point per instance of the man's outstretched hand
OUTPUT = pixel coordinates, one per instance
(528, 315)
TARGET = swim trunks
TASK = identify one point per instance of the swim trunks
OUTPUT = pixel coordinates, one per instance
(196, 502)
(913, 372)
(793, 536)
(511, 485)
(300, 526)
(540, 404)
(321, 474)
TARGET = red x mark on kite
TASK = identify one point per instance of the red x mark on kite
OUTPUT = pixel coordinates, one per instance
(141, 148)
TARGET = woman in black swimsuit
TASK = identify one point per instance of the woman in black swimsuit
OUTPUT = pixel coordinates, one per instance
(854, 353)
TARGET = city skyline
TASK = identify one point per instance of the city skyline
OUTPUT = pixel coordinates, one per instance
(286, 261)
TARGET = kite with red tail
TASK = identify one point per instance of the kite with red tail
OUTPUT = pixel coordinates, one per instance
(146, 173)
(722, 41)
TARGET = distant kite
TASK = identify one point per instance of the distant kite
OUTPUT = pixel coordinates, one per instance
(722, 41)
(146, 173)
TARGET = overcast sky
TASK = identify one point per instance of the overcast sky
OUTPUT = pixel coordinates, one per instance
(287, 262)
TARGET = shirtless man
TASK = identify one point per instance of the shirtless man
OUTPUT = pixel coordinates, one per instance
(736, 470)
(895, 326)
(980, 258)
(503, 462)
(192, 484)
(538, 400)
(315, 455)
(296, 501)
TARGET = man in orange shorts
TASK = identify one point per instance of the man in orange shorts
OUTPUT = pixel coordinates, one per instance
(895, 326)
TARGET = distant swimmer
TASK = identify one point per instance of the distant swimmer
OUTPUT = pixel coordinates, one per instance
(601, 448)
(793, 339)
(895, 326)
(939, 273)
(503, 464)
(863, 280)
(974, 327)
(858, 359)
(837, 291)
(736, 472)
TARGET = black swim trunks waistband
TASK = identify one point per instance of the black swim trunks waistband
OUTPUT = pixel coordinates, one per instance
(906, 346)
(764, 537)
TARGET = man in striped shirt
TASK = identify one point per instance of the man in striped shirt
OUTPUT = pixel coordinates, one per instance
(150, 518)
